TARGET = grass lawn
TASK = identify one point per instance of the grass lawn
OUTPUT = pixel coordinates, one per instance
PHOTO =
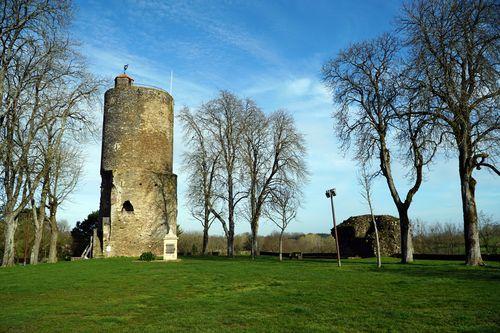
(219, 294)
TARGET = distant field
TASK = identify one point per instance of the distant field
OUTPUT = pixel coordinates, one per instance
(219, 294)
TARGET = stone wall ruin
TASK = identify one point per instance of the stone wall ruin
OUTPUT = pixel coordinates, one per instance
(357, 236)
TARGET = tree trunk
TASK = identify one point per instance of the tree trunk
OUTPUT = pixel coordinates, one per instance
(35, 250)
(406, 237)
(404, 221)
(2, 79)
(467, 190)
(205, 240)
(26, 243)
(255, 245)
(377, 240)
(231, 205)
(230, 244)
(230, 236)
(228, 232)
(10, 231)
(39, 218)
(471, 229)
(54, 234)
(281, 246)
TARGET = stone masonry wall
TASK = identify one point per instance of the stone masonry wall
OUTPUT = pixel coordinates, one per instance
(138, 190)
(357, 236)
(138, 129)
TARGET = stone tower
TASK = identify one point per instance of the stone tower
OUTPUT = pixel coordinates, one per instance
(138, 205)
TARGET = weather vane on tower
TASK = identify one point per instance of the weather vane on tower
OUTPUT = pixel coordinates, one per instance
(125, 68)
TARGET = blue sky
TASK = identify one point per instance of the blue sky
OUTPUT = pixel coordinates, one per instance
(272, 52)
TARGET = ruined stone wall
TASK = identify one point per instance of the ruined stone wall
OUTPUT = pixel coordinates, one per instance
(357, 236)
(138, 189)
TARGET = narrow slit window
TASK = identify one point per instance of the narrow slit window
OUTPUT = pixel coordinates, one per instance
(127, 207)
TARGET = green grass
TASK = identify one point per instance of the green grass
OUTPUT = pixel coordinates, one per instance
(219, 294)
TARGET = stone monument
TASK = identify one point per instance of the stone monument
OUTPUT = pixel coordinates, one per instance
(170, 246)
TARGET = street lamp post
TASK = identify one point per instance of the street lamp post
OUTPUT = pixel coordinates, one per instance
(330, 194)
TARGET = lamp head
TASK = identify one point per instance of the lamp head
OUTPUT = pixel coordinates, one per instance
(331, 193)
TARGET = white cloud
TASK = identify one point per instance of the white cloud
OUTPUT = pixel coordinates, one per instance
(299, 87)
(208, 18)
(281, 85)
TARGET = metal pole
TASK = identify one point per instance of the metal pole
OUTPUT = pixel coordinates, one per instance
(336, 235)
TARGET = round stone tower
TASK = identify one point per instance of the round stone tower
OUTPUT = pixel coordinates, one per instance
(138, 190)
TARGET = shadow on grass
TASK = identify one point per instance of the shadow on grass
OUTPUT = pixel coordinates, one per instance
(418, 269)
(437, 269)
(450, 271)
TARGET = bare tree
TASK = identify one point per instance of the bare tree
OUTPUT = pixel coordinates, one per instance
(44, 86)
(202, 162)
(23, 120)
(365, 179)
(22, 22)
(454, 48)
(282, 210)
(65, 171)
(68, 96)
(221, 118)
(489, 230)
(373, 114)
(274, 155)
(26, 25)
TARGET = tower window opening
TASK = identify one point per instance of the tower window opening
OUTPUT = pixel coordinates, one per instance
(127, 207)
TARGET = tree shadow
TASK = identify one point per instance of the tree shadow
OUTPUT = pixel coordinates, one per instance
(456, 271)
(417, 269)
